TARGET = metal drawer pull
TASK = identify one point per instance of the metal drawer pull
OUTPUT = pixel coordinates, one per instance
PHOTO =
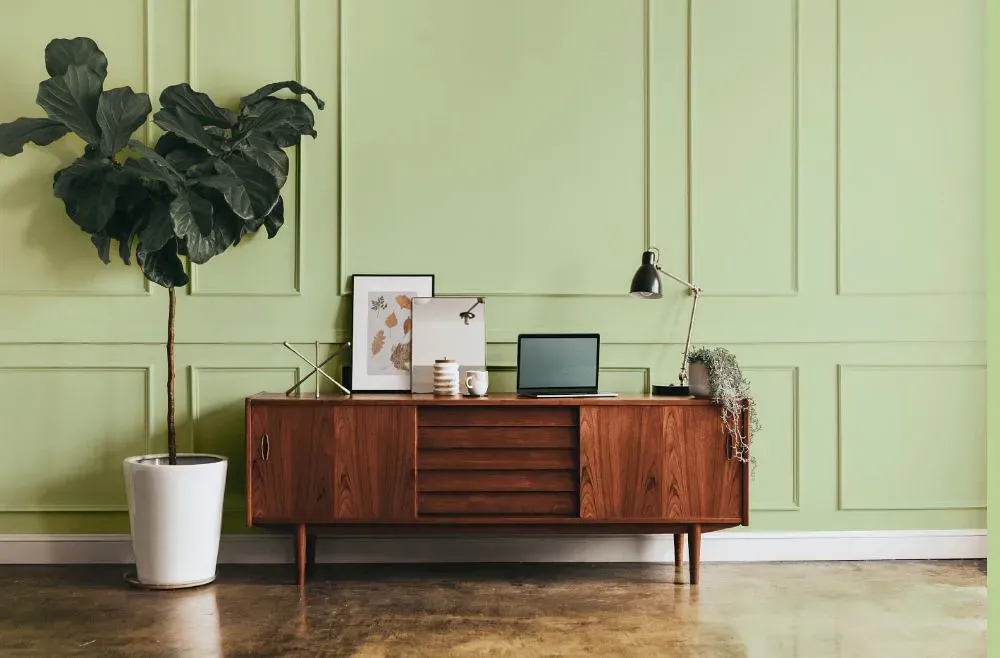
(265, 447)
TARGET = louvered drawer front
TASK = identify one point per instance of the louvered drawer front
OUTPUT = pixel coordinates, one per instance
(495, 470)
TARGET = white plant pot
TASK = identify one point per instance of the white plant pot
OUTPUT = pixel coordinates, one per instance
(698, 380)
(175, 513)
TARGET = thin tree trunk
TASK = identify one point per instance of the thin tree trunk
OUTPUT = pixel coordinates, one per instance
(171, 431)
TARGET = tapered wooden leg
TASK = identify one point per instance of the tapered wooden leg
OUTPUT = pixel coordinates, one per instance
(694, 553)
(300, 553)
(678, 549)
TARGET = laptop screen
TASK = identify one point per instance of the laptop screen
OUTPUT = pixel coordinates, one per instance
(557, 362)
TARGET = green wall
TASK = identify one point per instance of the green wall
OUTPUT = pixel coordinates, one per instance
(816, 166)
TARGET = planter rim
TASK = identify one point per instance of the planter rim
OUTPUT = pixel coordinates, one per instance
(138, 461)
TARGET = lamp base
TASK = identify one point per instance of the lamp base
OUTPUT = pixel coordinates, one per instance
(671, 390)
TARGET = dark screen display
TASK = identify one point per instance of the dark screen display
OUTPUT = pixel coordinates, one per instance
(557, 362)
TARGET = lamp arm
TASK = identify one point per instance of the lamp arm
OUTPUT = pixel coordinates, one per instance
(696, 291)
(690, 286)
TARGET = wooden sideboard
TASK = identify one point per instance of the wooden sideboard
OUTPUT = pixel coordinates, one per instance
(365, 464)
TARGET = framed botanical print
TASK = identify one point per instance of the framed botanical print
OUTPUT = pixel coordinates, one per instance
(383, 330)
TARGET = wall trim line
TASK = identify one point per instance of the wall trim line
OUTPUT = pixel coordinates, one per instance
(726, 546)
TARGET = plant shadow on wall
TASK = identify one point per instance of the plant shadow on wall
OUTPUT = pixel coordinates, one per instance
(212, 179)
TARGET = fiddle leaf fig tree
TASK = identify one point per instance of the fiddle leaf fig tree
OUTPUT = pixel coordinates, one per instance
(213, 177)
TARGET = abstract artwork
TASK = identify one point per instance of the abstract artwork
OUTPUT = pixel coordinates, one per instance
(383, 329)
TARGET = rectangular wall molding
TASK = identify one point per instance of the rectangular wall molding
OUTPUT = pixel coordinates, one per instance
(716, 547)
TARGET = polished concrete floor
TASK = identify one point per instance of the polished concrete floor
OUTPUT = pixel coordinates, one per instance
(855, 610)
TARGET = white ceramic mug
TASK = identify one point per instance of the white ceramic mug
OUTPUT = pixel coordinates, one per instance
(477, 381)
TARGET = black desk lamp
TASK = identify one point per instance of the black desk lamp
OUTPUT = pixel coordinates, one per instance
(646, 285)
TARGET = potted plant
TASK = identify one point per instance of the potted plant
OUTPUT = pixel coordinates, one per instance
(213, 177)
(714, 373)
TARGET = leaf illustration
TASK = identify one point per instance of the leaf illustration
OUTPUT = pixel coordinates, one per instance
(378, 342)
(401, 356)
(407, 323)
(391, 321)
(404, 302)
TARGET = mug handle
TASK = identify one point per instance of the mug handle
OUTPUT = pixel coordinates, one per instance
(468, 386)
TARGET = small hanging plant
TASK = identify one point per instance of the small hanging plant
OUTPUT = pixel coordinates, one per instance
(723, 382)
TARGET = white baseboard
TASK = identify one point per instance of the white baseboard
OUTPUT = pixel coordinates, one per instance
(721, 546)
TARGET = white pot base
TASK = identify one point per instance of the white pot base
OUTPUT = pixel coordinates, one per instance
(175, 518)
(132, 579)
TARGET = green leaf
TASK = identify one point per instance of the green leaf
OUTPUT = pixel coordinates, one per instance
(267, 90)
(89, 188)
(133, 208)
(71, 99)
(119, 113)
(60, 54)
(198, 105)
(153, 166)
(184, 124)
(180, 153)
(158, 228)
(191, 214)
(282, 120)
(248, 190)
(225, 232)
(103, 244)
(268, 156)
(162, 266)
(17, 133)
(275, 219)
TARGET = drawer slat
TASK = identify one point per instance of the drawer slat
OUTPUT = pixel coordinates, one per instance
(497, 459)
(549, 504)
(496, 481)
(497, 437)
(497, 416)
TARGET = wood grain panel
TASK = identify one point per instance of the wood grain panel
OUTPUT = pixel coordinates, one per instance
(621, 462)
(457, 481)
(699, 478)
(547, 504)
(375, 470)
(497, 437)
(499, 459)
(540, 416)
(291, 464)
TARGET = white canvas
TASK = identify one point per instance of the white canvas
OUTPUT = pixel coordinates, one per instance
(439, 332)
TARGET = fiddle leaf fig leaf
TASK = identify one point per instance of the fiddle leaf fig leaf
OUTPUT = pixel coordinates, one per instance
(267, 90)
(60, 54)
(159, 228)
(184, 124)
(248, 190)
(282, 120)
(119, 113)
(71, 99)
(103, 244)
(198, 105)
(162, 266)
(89, 189)
(17, 133)
(268, 156)
(275, 219)
(191, 214)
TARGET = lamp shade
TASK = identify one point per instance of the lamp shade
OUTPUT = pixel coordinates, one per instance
(646, 282)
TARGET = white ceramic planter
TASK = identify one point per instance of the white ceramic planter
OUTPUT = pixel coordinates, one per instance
(175, 514)
(698, 380)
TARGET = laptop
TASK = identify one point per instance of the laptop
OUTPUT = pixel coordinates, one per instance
(559, 365)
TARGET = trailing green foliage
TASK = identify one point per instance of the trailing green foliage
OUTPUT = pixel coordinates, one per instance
(731, 391)
(214, 176)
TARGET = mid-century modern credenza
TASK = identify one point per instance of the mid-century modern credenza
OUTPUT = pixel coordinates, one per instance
(401, 463)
